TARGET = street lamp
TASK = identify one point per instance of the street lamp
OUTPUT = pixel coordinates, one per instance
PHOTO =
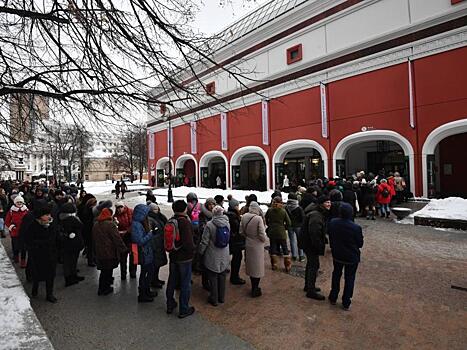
(165, 117)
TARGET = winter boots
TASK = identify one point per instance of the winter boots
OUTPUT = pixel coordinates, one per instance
(145, 295)
(275, 259)
(287, 263)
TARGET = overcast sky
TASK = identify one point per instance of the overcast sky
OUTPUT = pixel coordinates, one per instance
(214, 17)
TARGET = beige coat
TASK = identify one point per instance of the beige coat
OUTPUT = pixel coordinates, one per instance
(252, 227)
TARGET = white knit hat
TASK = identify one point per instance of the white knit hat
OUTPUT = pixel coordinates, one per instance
(18, 199)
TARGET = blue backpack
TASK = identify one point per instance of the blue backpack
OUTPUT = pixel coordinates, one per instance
(222, 237)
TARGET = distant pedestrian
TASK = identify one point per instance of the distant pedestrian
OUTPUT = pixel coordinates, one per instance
(150, 197)
(214, 246)
(346, 239)
(253, 228)
(180, 263)
(218, 182)
(123, 189)
(117, 190)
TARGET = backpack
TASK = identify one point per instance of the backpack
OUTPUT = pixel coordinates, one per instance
(171, 235)
(385, 193)
(194, 214)
(222, 237)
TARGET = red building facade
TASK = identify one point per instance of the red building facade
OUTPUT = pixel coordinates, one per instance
(394, 103)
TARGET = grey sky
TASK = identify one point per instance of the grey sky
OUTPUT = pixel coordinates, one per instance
(213, 17)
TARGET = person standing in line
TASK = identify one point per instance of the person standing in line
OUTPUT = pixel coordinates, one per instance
(123, 189)
(157, 222)
(297, 216)
(41, 242)
(253, 228)
(142, 235)
(204, 217)
(278, 222)
(214, 246)
(383, 196)
(237, 242)
(13, 221)
(180, 263)
(346, 240)
(124, 217)
(85, 213)
(71, 237)
(117, 190)
(109, 247)
(285, 184)
(400, 186)
(313, 238)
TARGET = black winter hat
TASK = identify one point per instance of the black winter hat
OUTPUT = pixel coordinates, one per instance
(179, 206)
(252, 198)
(104, 204)
(219, 199)
(68, 208)
(41, 207)
(323, 198)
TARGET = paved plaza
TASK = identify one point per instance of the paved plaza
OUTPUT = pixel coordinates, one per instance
(403, 299)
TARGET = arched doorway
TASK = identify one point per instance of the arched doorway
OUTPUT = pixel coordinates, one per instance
(250, 169)
(186, 171)
(162, 171)
(301, 160)
(376, 151)
(443, 167)
(212, 167)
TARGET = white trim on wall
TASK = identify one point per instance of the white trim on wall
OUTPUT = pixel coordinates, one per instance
(204, 162)
(243, 151)
(180, 162)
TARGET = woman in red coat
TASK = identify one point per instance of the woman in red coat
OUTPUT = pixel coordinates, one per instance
(383, 196)
(13, 221)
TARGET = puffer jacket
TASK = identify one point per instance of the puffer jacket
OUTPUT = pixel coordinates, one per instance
(15, 217)
(142, 235)
(157, 222)
(215, 259)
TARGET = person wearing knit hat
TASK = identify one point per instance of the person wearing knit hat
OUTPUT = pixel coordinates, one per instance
(278, 221)
(214, 247)
(40, 240)
(313, 243)
(204, 217)
(253, 229)
(72, 241)
(297, 216)
(219, 200)
(237, 241)
(13, 221)
(157, 222)
(123, 217)
(179, 206)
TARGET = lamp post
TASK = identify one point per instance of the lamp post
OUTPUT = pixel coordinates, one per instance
(165, 117)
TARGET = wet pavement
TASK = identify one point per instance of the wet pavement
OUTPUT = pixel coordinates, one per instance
(403, 299)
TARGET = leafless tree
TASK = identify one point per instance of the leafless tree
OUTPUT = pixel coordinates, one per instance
(98, 59)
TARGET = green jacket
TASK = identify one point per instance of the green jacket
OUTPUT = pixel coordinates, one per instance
(278, 222)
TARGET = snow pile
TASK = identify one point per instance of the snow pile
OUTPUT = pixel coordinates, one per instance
(453, 208)
(100, 187)
(20, 328)
(203, 193)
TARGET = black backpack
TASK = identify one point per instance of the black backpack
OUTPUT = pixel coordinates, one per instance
(385, 193)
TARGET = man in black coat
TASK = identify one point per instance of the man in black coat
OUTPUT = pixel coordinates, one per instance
(312, 241)
(346, 239)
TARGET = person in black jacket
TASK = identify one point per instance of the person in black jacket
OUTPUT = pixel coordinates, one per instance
(313, 243)
(346, 239)
(237, 242)
(72, 242)
(180, 263)
(41, 243)
(297, 215)
(157, 221)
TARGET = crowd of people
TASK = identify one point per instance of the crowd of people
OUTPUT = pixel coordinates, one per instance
(48, 226)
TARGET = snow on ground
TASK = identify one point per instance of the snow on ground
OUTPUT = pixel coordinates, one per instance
(449, 208)
(100, 187)
(20, 328)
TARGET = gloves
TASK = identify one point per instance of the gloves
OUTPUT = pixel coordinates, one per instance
(11, 227)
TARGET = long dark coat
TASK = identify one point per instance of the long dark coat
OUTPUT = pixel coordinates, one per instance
(108, 243)
(41, 243)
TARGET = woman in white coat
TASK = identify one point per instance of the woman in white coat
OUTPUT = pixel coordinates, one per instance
(252, 227)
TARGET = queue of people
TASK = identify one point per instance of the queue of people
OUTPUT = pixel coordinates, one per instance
(54, 227)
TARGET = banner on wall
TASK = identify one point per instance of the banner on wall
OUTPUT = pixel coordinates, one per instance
(151, 146)
(411, 97)
(193, 137)
(265, 121)
(170, 142)
(224, 144)
(324, 111)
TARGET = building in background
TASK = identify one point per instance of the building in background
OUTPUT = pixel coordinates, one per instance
(335, 87)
